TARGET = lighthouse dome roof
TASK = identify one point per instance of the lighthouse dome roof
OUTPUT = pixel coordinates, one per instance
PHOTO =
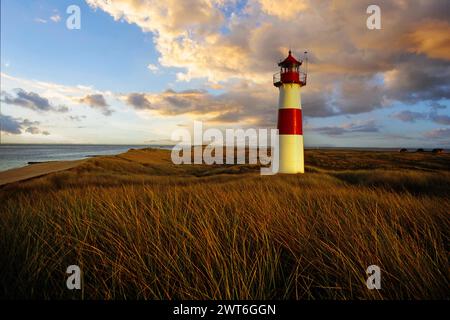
(289, 61)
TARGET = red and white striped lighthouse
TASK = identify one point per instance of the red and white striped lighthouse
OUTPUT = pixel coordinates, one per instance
(289, 81)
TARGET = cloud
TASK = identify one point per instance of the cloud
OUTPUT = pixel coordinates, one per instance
(29, 123)
(440, 133)
(50, 96)
(55, 18)
(32, 130)
(245, 103)
(171, 102)
(168, 20)
(353, 70)
(39, 20)
(284, 9)
(62, 109)
(409, 116)
(153, 68)
(358, 95)
(440, 118)
(255, 106)
(436, 106)
(50, 90)
(12, 125)
(76, 118)
(418, 79)
(97, 101)
(432, 39)
(353, 127)
(318, 104)
(31, 100)
(330, 130)
(138, 101)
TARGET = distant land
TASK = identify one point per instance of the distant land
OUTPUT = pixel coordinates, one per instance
(19, 155)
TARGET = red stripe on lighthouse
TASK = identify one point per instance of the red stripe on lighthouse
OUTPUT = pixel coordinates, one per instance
(290, 121)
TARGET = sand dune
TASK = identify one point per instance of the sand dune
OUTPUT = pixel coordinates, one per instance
(36, 170)
(144, 228)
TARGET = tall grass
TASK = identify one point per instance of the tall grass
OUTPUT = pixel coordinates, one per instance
(144, 234)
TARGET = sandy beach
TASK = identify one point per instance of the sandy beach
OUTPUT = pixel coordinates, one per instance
(36, 170)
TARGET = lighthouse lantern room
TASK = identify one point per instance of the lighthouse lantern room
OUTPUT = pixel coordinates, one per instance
(289, 81)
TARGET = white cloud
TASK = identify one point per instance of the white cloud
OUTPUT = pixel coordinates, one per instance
(190, 35)
(284, 9)
(153, 68)
(55, 18)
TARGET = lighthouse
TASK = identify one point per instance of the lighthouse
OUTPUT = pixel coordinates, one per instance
(289, 81)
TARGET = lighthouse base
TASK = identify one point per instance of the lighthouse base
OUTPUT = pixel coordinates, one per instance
(291, 154)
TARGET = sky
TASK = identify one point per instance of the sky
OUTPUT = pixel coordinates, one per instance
(138, 70)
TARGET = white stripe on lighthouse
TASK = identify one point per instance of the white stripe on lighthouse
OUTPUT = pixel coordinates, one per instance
(289, 96)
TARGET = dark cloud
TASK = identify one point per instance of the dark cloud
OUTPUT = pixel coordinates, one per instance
(228, 117)
(419, 79)
(31, 101)
(409, 116)
(317, 104)
(330, 130)
(198, 102)
(12, 125)
(138, 101)
(28, 123)
(440, 118)
(364, 127)
(367, 126)
(32, 130)
(437, 106)
(76, 118)
(358, 95)
(62, 109)
(97, 101)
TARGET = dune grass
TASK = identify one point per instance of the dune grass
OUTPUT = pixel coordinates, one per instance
(142, 228)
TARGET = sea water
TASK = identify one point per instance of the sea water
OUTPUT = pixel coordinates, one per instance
(19, 155)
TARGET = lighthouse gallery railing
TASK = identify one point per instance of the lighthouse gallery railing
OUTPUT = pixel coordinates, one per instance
(277, 78)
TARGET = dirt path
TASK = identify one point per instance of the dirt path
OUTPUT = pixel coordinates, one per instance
(36, 170)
